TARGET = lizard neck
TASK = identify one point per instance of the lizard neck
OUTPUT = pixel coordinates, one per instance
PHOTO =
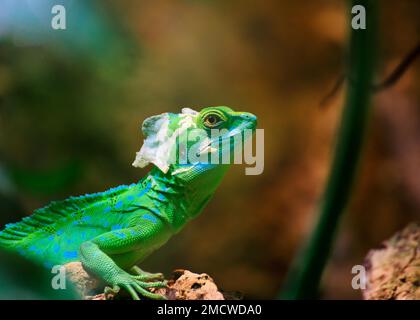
(182, 194)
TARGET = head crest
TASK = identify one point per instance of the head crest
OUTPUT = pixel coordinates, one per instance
(160, 134)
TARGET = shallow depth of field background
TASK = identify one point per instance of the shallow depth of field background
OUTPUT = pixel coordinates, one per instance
(72, 102)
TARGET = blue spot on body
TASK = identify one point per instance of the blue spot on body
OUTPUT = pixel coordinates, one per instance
(119, 205)
(70, 254)
(150, 217)
(120, 235)
(141, 193)
(154, 209)
(86, 218)
(35, 250)
(130, 198)
(56, 248)
(116, 227)
(51, 238)
(107, 209)
(60, 232)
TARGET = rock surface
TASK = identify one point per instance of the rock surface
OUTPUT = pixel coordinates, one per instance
(187, 285)
(393, 271)
(184, 285)
(85, 283)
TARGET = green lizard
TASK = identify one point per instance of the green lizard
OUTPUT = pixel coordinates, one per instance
(112, 231)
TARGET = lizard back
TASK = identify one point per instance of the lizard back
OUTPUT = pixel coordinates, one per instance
(53, 234)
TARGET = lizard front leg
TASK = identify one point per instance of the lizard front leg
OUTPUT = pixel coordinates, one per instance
(95, 256)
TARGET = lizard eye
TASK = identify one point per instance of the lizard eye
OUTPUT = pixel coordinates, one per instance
(212, 120)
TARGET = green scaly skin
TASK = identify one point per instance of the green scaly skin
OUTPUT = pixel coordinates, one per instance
(112, 231)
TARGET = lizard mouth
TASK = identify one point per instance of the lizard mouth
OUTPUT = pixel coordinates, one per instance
(247, 125)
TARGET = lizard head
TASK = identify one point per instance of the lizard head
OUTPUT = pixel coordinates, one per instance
(181, 141)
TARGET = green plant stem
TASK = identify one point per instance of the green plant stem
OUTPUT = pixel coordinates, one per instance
(304, 279)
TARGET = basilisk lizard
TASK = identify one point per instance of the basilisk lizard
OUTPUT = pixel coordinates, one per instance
(111, 232)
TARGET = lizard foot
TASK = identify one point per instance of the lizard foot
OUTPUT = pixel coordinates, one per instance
(135, 286)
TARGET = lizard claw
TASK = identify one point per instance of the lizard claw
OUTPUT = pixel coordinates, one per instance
(147, 276)
(137, 287)
(111, 291)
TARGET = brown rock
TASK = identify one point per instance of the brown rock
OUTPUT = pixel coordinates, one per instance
(393, 271)
(85, 283)
(191, 286)
(185, 285)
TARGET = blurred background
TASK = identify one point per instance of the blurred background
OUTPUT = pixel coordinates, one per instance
(72, 102)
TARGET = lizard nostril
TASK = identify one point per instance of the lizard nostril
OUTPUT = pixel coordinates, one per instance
(248, 117)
